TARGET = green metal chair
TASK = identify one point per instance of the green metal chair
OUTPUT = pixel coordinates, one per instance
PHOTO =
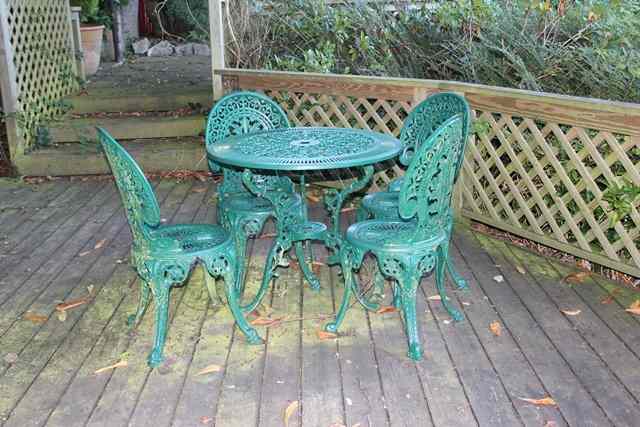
(239, 210)
(417, 243)
(423, 120)
(164, 255)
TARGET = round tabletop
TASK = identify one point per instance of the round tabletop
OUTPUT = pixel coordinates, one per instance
(305, 148)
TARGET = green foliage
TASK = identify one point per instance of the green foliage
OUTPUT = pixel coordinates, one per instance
(95, 11)
(621, 199)
(577, 47)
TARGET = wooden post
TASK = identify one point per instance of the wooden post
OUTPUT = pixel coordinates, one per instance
(216, 30)
(8, 85)
(118, 36)
(77, 42)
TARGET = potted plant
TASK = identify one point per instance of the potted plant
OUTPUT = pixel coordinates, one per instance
(93, 19)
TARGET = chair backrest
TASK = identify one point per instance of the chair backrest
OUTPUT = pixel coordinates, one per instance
(428, 183)
(427, 116)
(236, 114)
(140, 204)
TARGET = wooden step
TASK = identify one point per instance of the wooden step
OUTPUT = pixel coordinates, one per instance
(153, 155)
(109, 100)
(128, 127)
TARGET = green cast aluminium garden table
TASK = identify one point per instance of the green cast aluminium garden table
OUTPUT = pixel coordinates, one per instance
(303, 149)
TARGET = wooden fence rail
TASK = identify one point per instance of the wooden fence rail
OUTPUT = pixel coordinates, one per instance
(538, 168)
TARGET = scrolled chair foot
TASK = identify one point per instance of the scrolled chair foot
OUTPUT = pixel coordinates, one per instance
(253, 338)
(415, 351)
(131, 321)
(457, 316)
(461, 284)
(331, 327)
(155, 359)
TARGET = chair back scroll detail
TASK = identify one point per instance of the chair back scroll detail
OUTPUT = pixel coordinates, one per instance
(427, 116)
(428, 183)
(140, 204)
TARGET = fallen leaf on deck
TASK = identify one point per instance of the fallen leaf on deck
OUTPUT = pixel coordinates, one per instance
(348, 401)
(267, 321)
(210, 369)
(84, 253)
(545, 401)
(291, 409)
(634, 308)
(521, 270)
(577, 277)
(495, 328)
(435, 298)
(498, 278)
(607, 300)
(324, 335)
(206, 420)
(62, 315)
(68, 305)
(11, 358)
(34, 317)
(386, 309)
(120, 364)
(571, 312)
(100, 244)
(199, 190)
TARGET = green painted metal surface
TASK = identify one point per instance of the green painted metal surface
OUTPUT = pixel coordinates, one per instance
(416, 243)
(164, 255)
(306, 148)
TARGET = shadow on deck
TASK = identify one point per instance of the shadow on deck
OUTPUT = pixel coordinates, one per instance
(575, 344)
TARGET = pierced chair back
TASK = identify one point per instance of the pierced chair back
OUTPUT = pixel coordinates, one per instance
(240, 113)
(140, 204)
(427, 116)
(428, 183)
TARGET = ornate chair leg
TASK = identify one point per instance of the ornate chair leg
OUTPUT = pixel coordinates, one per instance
(161, 289)
(233, 299)
(212, 288)
(347, 275)
(307, 271)
(143, 302)
(441, 260)
(460, 282)
(269, 268)
(362, 214)
(397, 302)
(408, 285)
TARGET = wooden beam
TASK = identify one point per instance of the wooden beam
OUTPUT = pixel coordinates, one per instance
(8, 85)
(216, 30)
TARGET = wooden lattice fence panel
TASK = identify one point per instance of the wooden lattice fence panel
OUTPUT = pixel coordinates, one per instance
(538, 167)
(43, 60)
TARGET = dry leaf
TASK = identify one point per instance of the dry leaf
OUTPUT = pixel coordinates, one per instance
(62, 315)
(11, 358)
(84, 253)
(498, 278)
(435, 298)
(120, 364)
(521, 270)
(267, 321)
(210, 369)
(545, 401)
(199, 190)
(291, 409)
(72, 303)
(607, 300)
(496, 328)
(387, 309)
(571, 312)
(34, 317)
(324, 335)
(205, 420)
(577, 277)
(634, 308)
(100, 244)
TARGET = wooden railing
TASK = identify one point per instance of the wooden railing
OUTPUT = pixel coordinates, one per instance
(537, 167)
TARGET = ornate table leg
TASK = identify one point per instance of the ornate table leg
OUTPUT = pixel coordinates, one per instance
(333, 200)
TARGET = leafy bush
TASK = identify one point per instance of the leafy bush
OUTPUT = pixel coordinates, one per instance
(577, 47)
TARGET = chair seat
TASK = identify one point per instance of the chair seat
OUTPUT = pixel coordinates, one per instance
(385, 235)
(183, 239)
(247, 202)
(382, 205)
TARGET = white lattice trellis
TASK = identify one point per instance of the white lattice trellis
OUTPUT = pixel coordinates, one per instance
(42, 60)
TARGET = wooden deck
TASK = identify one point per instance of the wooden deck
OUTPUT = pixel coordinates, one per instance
(61, 237)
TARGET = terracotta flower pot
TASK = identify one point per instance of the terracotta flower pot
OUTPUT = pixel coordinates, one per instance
(91, 36)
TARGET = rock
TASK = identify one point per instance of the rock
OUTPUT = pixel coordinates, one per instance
(164, 48)
(184, 49)
(200, 49)
(141, 46)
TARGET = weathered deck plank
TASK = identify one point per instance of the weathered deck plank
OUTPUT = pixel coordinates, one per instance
(588, 362)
